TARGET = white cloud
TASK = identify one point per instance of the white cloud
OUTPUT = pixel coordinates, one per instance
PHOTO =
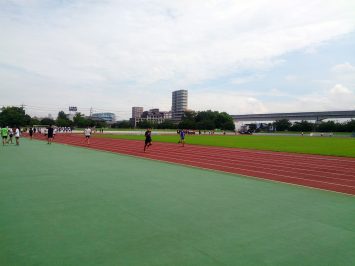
(291, 78)
(246, 79)
(230, 102)
(344, 73)
(337, 97)
(121, 53)
(344, 68)
(339, 90)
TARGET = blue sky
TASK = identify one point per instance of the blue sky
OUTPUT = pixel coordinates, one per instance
(235, 56)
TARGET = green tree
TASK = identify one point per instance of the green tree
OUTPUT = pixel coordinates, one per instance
(206, 124)
(63, 120)
(329, 126)
(206, 115)
(349, 126)
(224, 121)
(167, 124)
(34, 121)
(122, 124)
(80, 120)
(208, 120)
(47, 121)
(282, 125)
(101, 124)
(14, 116)
(189, 115)
(145, 124)
(228, 125)
(302, 126)
(187, 124)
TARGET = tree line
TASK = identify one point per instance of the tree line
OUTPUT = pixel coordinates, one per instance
(203, 120)
(207, 120)
(306, 126)
(16, 116)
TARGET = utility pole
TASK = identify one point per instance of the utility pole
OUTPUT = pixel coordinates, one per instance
(91, 110)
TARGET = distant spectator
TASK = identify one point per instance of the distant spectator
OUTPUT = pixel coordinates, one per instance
(31, 132)
(50, 132)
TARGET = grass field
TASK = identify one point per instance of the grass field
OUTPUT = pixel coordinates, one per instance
(63, 205)
(309, 145)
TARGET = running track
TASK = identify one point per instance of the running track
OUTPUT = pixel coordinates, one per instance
(322, 172)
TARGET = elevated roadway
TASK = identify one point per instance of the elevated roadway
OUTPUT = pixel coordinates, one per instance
(317, 116)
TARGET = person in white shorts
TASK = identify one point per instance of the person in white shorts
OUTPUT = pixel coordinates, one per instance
(17, 135)
(87, 133)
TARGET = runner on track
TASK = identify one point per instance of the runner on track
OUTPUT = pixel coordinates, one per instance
(87, 133)
(182, 137)
(148, 139)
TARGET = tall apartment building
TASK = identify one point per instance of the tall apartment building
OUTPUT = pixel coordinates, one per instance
(137, 112)
(179, 104)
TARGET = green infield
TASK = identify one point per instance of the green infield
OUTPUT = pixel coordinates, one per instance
(63, 205)
(309, 145)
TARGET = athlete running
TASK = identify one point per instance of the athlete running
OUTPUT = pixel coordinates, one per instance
(87, 133)
(148, 139)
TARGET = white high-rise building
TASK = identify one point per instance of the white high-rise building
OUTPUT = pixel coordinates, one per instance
(179, 104)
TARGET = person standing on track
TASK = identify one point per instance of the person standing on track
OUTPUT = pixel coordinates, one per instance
(182, 137)
(148, 139)
(50, 134)
(17, 135)
(87, 133)
(11, 134)
(4, 133)
(31, 132)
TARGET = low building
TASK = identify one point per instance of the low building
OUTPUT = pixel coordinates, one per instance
(109, 118)
(153, 116)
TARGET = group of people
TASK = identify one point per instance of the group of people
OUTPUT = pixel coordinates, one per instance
(7, 134)
(148, 138)
(147, 135)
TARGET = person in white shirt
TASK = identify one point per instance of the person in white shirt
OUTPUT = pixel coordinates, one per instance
(11, 134)
(87, 133)
(17, 135)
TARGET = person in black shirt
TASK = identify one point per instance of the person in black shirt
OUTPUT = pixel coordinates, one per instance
(148, 139)
(50, 134)
(31, 132)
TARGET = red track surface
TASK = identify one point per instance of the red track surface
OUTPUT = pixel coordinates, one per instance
(322, 172)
